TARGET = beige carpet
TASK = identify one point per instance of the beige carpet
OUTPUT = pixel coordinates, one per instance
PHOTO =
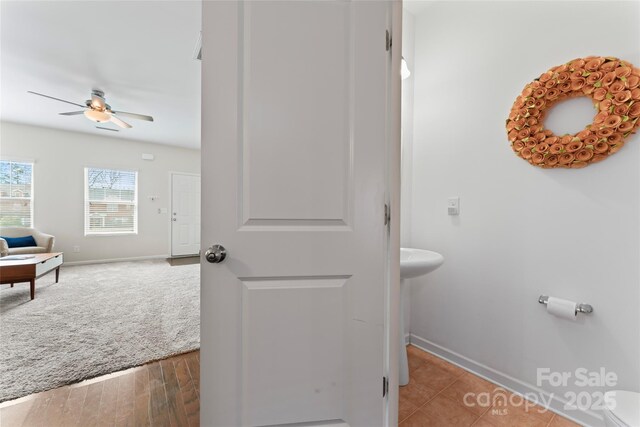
(99, 319)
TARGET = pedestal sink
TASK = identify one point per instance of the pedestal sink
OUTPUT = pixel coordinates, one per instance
(413, 263)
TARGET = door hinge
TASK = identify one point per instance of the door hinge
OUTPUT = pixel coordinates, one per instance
(387, 214)
(385, 386)
(388, 41)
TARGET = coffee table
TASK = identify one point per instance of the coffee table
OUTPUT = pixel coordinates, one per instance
(28, 270)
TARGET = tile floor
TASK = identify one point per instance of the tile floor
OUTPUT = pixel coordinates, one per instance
(435, 396)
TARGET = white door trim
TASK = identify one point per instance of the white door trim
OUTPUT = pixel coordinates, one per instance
(394, 154)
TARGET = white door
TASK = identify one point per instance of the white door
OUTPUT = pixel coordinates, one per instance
(295, 139)
(185, 214)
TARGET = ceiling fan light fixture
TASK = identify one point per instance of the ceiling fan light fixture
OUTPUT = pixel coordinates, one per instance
(97, 116)
(97, 110)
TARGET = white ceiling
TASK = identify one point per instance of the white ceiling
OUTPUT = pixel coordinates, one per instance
(140, 53)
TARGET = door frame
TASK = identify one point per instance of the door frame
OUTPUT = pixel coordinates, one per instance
(170, 208)
(394, 170)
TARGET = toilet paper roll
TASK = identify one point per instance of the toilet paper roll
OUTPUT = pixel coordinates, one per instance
(562, 308)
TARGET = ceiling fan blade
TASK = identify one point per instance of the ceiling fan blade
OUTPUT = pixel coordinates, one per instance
(120, 123)
(134, 115)
(57, 99)
(72, 113)
(103, 128)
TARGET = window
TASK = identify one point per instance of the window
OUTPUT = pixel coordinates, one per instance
(111, 201)
(16, 194)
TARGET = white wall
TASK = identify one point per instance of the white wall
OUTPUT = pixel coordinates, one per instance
(523, 231)
(59, 161)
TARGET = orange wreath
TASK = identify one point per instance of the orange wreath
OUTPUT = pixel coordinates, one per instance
(613, 85)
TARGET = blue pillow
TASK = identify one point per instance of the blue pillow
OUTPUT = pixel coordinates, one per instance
(20, 242)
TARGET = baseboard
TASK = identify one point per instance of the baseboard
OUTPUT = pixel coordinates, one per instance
(108, 260)
(585, 418)
(182, 256)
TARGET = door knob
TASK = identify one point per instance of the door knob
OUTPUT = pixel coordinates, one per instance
(215, 254)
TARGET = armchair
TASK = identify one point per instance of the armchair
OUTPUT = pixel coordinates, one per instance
(44, 242)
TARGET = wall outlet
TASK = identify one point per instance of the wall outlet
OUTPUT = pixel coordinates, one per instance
(76, 249)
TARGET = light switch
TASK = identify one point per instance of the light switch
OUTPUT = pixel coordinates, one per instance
(162, 210)
(453, 206)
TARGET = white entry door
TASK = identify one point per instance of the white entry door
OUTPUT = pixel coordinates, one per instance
(295, 138)
(185, 214)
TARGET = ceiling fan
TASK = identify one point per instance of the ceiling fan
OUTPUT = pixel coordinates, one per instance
(96, 109)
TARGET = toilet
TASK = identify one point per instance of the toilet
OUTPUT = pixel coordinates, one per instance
(622, 408)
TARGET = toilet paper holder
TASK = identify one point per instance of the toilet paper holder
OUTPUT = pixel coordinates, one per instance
(580, 308)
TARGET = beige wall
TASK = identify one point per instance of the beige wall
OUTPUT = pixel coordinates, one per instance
(59, 160)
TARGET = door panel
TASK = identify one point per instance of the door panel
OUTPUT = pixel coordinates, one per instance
(307, 317)
(305, 156)
(294, 144)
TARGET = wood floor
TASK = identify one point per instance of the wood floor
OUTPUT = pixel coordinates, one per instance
(166, 393)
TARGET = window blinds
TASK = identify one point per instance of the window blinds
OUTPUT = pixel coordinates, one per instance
(111, 201)
(16, 194)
